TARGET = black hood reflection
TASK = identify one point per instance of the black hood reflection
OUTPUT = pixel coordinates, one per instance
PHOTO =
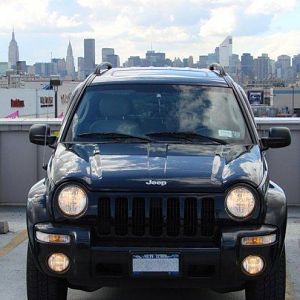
(185, 167)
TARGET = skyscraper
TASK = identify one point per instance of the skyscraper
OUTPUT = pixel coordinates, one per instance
(262, 67)
(283, 67)
(43, 69)
(155, 59)
(296, 63)
(3, 68)
(13, 52)
(247, 67)
(134, 61)
(217, 55)
(114, 59)
(89, 56)
(81, 72)
(203, 61)
(234, 66)
(70, 61)
(59, 67)
(108, 55)
(212, 58)
(188, 62)
(106, 52)
(177, 63)
(21, 67)
(225, 51)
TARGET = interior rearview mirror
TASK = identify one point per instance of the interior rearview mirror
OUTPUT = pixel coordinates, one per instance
(279, 137)
(40, 134)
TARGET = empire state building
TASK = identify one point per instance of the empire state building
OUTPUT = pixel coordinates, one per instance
(13, 52)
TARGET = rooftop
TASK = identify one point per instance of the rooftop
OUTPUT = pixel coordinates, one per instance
(162, 75)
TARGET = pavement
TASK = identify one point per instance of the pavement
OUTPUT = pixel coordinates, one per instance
(13, 246)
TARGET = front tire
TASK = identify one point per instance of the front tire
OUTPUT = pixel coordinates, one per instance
(272, 286)
(41, 286)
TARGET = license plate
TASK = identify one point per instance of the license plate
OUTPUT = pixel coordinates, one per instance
(143, 264)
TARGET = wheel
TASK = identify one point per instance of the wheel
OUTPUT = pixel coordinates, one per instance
(271, 287)
(41, 286)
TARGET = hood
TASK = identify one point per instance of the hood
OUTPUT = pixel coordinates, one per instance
(156, 167)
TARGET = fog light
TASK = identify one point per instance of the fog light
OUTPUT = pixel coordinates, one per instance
(253, 265)
(58, 262)
(259, 240)
(52, 238)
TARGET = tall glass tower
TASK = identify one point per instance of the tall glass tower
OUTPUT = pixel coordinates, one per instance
(89, 56)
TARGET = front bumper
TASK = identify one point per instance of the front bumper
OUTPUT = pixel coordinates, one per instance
(92, 267)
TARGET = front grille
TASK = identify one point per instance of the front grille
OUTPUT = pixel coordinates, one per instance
(156, 216)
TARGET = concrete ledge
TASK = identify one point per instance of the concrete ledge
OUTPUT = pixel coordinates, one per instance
(276, 120)
(4, 227)
(30, 121)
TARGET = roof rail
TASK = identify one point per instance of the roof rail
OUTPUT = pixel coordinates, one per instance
(217, 67)
(105, 65)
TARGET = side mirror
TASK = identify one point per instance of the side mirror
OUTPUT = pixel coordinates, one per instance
(40, 134)
(279, 137)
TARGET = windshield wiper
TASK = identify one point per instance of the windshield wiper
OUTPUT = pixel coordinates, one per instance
(186, 135)
(114, 136)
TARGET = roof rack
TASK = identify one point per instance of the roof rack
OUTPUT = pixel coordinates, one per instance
(105, 65)
(217, 67)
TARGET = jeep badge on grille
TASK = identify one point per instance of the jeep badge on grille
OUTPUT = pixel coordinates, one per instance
(156, 182)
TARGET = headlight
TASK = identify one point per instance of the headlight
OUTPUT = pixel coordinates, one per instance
(240, 202)
(72, 200)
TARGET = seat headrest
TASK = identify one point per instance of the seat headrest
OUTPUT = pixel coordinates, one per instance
(112, 106)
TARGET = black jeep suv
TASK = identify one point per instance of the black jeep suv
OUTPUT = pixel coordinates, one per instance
(158, 178)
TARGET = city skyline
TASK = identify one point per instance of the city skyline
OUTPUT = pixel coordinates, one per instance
(244, 69)
(95, 50)
(179, 28)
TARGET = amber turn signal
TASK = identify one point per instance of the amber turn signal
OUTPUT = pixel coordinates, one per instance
(259, 240)
(52, 238)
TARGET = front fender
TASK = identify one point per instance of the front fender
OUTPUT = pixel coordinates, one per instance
(276, 211)
(37, 211)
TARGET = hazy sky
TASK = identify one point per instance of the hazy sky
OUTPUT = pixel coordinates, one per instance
(177, 27)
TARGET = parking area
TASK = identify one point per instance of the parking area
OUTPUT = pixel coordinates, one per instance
(13, 268)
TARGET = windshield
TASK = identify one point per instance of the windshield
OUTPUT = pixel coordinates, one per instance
(156, 113)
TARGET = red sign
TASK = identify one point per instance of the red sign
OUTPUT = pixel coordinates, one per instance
(17, 103)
